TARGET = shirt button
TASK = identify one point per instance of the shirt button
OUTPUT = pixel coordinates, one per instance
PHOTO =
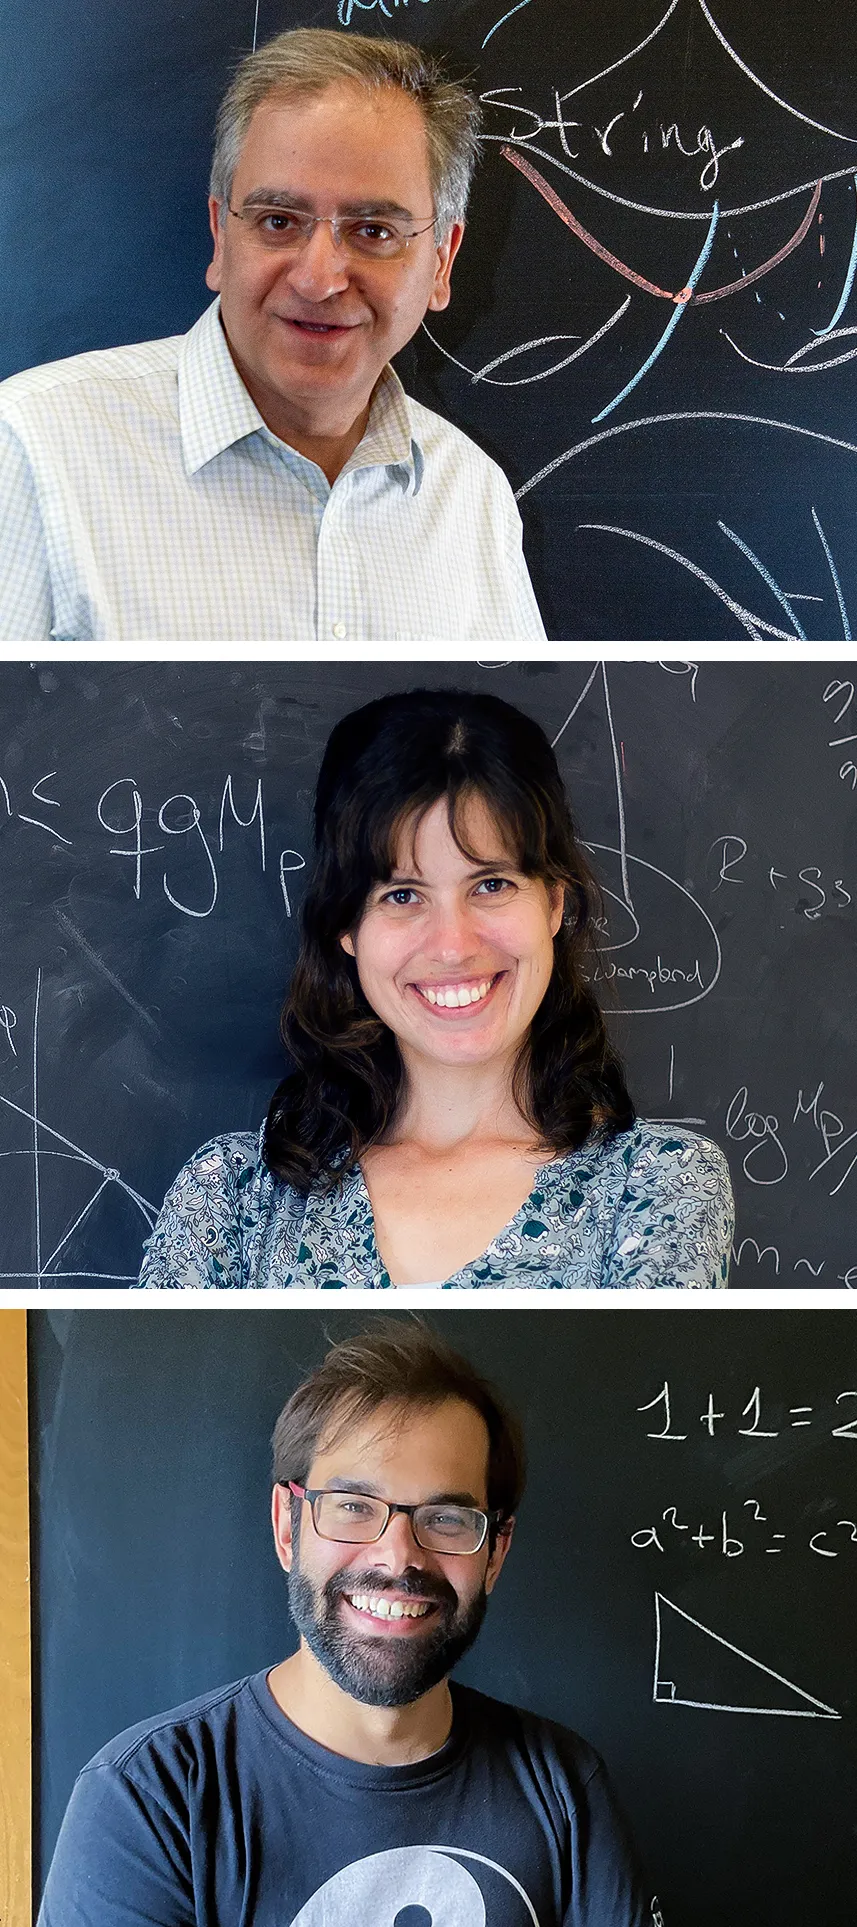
(339, 630)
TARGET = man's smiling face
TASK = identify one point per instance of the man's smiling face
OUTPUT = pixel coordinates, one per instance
(310, 331)
(343, 1596)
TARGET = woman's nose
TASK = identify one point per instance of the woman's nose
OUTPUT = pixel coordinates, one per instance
(453, 931)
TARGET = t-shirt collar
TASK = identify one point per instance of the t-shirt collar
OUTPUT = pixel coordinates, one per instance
(216, 411)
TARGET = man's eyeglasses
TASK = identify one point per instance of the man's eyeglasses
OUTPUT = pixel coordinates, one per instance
(287, 230)
(357, 1519)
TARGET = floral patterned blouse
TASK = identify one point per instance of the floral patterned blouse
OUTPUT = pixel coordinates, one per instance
(649, 1207)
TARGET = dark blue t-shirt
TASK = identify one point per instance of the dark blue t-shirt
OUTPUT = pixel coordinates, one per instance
(223, 1814)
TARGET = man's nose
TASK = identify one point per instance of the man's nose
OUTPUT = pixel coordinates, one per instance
(320, 268)
(398, 1546)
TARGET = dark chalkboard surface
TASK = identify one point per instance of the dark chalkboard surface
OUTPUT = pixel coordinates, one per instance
(686, 467)
(683, 1588)
(154, 829)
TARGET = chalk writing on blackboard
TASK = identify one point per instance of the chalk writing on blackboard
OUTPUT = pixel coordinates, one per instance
(737, 866)
(766, 1161)
(682, 1659)
(799, 1417)
(732, 1536)
(750, 206)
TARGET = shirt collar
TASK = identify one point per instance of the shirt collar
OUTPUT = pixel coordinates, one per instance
(215, 410)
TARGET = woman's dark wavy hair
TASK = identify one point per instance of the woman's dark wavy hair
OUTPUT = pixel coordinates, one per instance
(384, 767)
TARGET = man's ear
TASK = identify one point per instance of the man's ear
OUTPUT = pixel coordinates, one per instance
(498, 1555)
(214, 271)
(446, 253)
(281, 1520)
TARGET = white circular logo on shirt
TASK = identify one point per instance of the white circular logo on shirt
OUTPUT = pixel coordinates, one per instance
(407, 1887)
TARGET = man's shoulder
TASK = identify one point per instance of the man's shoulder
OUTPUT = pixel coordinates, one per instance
(439, 437)
(498, 1723)
(178, 1730)
(99, 368)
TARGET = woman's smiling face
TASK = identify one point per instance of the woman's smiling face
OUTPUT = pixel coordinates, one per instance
(454, 953)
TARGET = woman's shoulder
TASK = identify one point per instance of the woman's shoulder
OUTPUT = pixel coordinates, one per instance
(213, 1214)
(647, 1145)
(675, 1216)
(229, 1161)
(644, 1150)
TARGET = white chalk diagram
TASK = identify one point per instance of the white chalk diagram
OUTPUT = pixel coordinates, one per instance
(714, 228)
(48, 1150)
(637, 878)
(786, 1700)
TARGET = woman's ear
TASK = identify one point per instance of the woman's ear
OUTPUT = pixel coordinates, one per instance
(556, 897)
(347, 942)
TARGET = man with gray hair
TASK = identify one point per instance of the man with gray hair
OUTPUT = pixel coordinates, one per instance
(266, 476)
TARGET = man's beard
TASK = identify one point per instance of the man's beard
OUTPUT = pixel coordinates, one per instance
(382, 1671)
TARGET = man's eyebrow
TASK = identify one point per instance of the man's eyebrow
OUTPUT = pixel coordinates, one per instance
(348, 210)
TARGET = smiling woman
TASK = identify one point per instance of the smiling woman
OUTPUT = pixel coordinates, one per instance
(454, 1112)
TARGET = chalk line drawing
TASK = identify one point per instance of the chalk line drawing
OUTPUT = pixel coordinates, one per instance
(843, 612)
(689, 295)
(683, 415)
(665, 1693)
(820, 126)
(48, 1270)
(502, 21)
(790, 365)
(766, 576)
(630, 865)
(682, 302)
(524, 348)
(754, 625)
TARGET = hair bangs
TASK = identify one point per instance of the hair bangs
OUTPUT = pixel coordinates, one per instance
(521, 824)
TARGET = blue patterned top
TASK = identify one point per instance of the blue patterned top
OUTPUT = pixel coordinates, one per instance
(649, 1207)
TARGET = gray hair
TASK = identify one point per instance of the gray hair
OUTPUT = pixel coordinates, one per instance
(306, 60)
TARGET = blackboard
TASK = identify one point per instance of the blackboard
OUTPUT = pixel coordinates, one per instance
(154, 832)
(672, 1562)
(685, 468)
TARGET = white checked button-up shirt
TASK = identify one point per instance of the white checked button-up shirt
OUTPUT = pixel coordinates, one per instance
(142, 496)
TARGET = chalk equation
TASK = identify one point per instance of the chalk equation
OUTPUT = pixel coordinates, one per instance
(799, 1418)
(744, 1531)
(139, 829)
(765, 1160)
(769, 1261)
(809, 891)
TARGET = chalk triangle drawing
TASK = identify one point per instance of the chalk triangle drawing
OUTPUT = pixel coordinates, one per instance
(695, 1666)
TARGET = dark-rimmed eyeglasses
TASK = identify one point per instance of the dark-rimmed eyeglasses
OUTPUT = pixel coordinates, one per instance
(357, 1519)
(287, 230)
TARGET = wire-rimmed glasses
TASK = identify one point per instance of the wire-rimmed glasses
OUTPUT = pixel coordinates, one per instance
(288, 230)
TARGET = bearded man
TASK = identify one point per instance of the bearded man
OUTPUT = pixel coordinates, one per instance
(352, 1785)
